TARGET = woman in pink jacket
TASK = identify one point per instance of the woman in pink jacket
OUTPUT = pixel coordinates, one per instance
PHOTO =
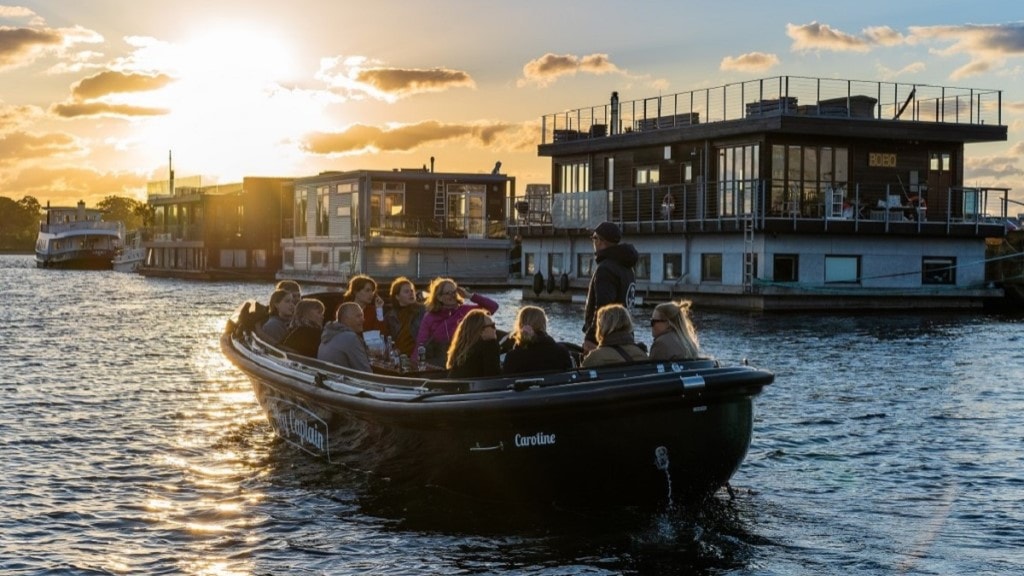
(446, 307)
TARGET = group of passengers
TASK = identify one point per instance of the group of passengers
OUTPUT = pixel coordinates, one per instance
(454, 329)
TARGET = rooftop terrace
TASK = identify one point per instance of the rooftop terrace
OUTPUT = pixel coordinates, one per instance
(780, 95)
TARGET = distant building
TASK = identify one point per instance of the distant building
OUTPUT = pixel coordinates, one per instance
(225, 231)
(409, 222)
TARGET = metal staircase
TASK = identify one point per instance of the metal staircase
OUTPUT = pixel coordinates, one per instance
(748, 253)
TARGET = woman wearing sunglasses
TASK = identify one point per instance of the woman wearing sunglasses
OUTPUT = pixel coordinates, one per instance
(674, 335)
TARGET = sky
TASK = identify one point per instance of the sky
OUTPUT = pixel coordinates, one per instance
(95, 95)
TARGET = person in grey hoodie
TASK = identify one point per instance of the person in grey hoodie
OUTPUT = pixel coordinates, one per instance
(342, 340)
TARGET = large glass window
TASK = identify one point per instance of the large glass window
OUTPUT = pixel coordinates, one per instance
(842, 269)
(555, 266)
(300, 212)
(738, 173)
(574, 177)
(806, 178)
(466, 209)
(323, 211)
(387, 204)
(711, 267)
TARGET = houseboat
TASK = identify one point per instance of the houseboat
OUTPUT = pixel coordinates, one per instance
(216, 231)
(415, 222)
(782, 193)
(76, 238)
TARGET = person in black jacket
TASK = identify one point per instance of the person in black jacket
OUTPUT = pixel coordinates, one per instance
(306, 327)
(474, 349)
(613, 281)
(534, 349)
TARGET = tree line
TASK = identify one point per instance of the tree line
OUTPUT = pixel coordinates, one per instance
(19, 219)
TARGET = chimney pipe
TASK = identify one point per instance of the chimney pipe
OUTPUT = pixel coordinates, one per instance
(431, 164)
(614, 128)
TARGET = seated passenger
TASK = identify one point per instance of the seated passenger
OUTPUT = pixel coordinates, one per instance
(291, 286)
(674, 335)
(446, 308)
(474, 349)
(282, 308)
(342, 340)
(363, 290)
(534, 349)
(615, 344)
(404, 316)
(306, 328)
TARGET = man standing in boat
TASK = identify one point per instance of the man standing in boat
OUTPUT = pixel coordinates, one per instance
(613, 281)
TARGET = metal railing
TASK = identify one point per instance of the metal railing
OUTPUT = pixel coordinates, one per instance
(796, 95)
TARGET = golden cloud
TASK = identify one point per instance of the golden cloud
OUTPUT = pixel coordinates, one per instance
(549, 67)
(749, 62)
(404, 82)
(113, 82)
(18, 146)
(76, 109)
(988, 46)
(815, 36)
(20, 46)
(361, 138)
(68, 184)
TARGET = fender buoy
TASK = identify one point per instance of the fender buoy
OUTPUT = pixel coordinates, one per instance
(551, 284)
(563, 283)
(538, 283)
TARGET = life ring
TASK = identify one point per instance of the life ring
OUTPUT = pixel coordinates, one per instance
(918, 202)
(538, 283)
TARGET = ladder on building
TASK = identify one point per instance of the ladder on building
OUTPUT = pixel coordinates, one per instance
(749, 261)
(439, 213)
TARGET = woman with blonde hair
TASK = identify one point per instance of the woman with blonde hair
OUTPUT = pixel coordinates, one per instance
(674, 335)
(474, 349)
(446, 307)
(306, 328)
(534, 349)
(615, 344)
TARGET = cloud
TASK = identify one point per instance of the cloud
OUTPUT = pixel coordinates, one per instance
(77, 109)
(357, 77)
(12, 116)
(69, 184)
(360, 138)
(19, 146)
(988, 46)
(550, 67)
(22, 46)
(886, 73)
(996, 167)
(815, 36)
(112, 82)
(749, 62)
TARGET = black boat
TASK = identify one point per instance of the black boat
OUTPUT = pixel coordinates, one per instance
(639, 433)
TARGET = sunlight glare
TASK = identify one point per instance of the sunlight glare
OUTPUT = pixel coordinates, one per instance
(232, 109)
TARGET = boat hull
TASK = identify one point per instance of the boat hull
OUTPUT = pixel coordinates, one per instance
(77, 260)
(640, 434)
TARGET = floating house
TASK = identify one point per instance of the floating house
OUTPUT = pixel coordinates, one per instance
(405, 222)
(783, 193)
(216, 232)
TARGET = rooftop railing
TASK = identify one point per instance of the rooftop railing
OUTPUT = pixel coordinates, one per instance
(780, 95)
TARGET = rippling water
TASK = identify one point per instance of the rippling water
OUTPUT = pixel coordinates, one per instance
(889, 444)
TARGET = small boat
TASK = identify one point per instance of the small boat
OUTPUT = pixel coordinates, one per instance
(130, 255)
(632, 434)
(76, 238)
